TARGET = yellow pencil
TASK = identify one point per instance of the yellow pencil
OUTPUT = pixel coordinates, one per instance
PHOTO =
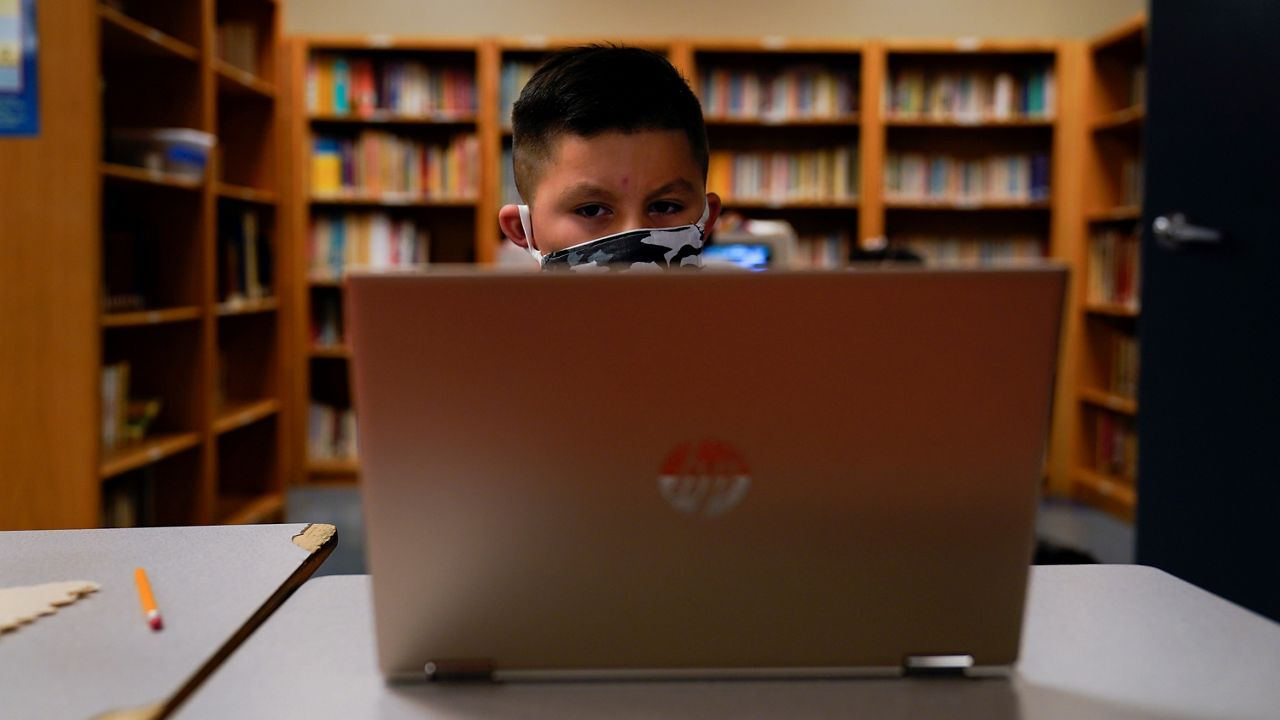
(149, 608)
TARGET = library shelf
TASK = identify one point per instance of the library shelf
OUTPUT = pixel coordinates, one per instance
(151, 450)
(232, 308)
(250, 509)
(1129, 118)
(126, 36)
(1111, 494)
(968, 44)
(1112, 310)
(257, 196)
(235, 81)
(975, 123)
(324, 281)
(1104, 341)
(1119, 213)
(142, 318)
(415, 201)
(237, 414)
(1109, 401)
(386, 118)
(128, 174)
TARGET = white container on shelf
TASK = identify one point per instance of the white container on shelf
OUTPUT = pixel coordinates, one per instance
(177, 151)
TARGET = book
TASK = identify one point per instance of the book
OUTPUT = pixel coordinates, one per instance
(515, 75)
(372, 86)
(920, 177)
(821, 175)
(1113, 272)
(238, 45)
(331, 433)
(973, 251)
(1115, 445)
(1124, 365)
(245, 257)
(829, 250)
(378, 164)
(376, 240)
(971, 96)
(793, 92)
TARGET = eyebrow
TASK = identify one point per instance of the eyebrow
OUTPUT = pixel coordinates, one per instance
(679, 185)
(583, 191)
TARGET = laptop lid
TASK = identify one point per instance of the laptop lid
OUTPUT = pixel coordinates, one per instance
(722, 473)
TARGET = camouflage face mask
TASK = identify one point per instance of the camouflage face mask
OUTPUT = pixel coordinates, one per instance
(641, 249)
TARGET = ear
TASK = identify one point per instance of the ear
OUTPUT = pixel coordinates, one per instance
(509, 221)
(713, 212)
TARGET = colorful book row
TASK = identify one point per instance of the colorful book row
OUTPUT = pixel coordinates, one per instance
(1114, 268)
(246, 267)
(363, 86)
(971, 96)
(945, 178)
(791, 93)
(331, 433)
(1115, 445)
(970, 251)
(826, 175)
(376, 163)
(374, 240)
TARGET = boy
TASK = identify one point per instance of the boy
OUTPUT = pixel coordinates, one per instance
(610, 156)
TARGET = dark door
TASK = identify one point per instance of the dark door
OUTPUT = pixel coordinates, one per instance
(1209, 429)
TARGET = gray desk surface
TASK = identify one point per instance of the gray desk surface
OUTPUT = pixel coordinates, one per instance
(1099, 642)
(213, 584)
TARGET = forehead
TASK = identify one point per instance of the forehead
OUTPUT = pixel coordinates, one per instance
(625, 162)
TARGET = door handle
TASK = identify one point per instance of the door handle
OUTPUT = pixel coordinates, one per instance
(1174, 232)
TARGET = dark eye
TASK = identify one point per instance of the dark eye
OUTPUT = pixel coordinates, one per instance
(591, 211)
(666, 207)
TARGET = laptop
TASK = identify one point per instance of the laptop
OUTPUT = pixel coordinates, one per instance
(702, 474)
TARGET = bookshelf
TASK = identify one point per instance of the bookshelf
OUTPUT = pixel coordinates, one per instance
(1105, 453)
(784, 122)
(392, 139)
(176, 313)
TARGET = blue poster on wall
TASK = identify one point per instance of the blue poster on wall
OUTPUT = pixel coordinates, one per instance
(19, 83)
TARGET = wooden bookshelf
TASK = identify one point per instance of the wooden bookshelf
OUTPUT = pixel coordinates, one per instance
(1105, 309)
(135, 248)
(451, 217)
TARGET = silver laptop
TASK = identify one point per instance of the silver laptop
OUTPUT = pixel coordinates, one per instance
(702, 474)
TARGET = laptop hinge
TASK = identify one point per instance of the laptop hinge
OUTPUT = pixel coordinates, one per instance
(459, 670)
(944, 665)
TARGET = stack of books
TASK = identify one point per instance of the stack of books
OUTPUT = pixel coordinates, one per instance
(332, 433)
(830, 250)
(1124, 365)
(515, 75)
(365, 239)
(1114, 266)
(245, 252)
(124, 420)
(791, 93)
(917, 177)
(974, 96)
(822, 175)
(1116, 446)
(973, 251)
(362, 86)
(382, 165)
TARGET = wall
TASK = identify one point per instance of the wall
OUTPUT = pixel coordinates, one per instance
(736, 18)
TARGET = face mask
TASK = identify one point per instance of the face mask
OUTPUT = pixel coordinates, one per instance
(642, 249)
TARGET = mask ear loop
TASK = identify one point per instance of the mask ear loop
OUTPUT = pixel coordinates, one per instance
(526, 224)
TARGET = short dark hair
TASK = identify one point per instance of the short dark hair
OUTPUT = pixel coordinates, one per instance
(593, 89)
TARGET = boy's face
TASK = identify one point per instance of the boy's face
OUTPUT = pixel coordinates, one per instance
(612, 182)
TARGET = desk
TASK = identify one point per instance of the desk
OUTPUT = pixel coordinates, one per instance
(1100, 641)
(214, 585)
